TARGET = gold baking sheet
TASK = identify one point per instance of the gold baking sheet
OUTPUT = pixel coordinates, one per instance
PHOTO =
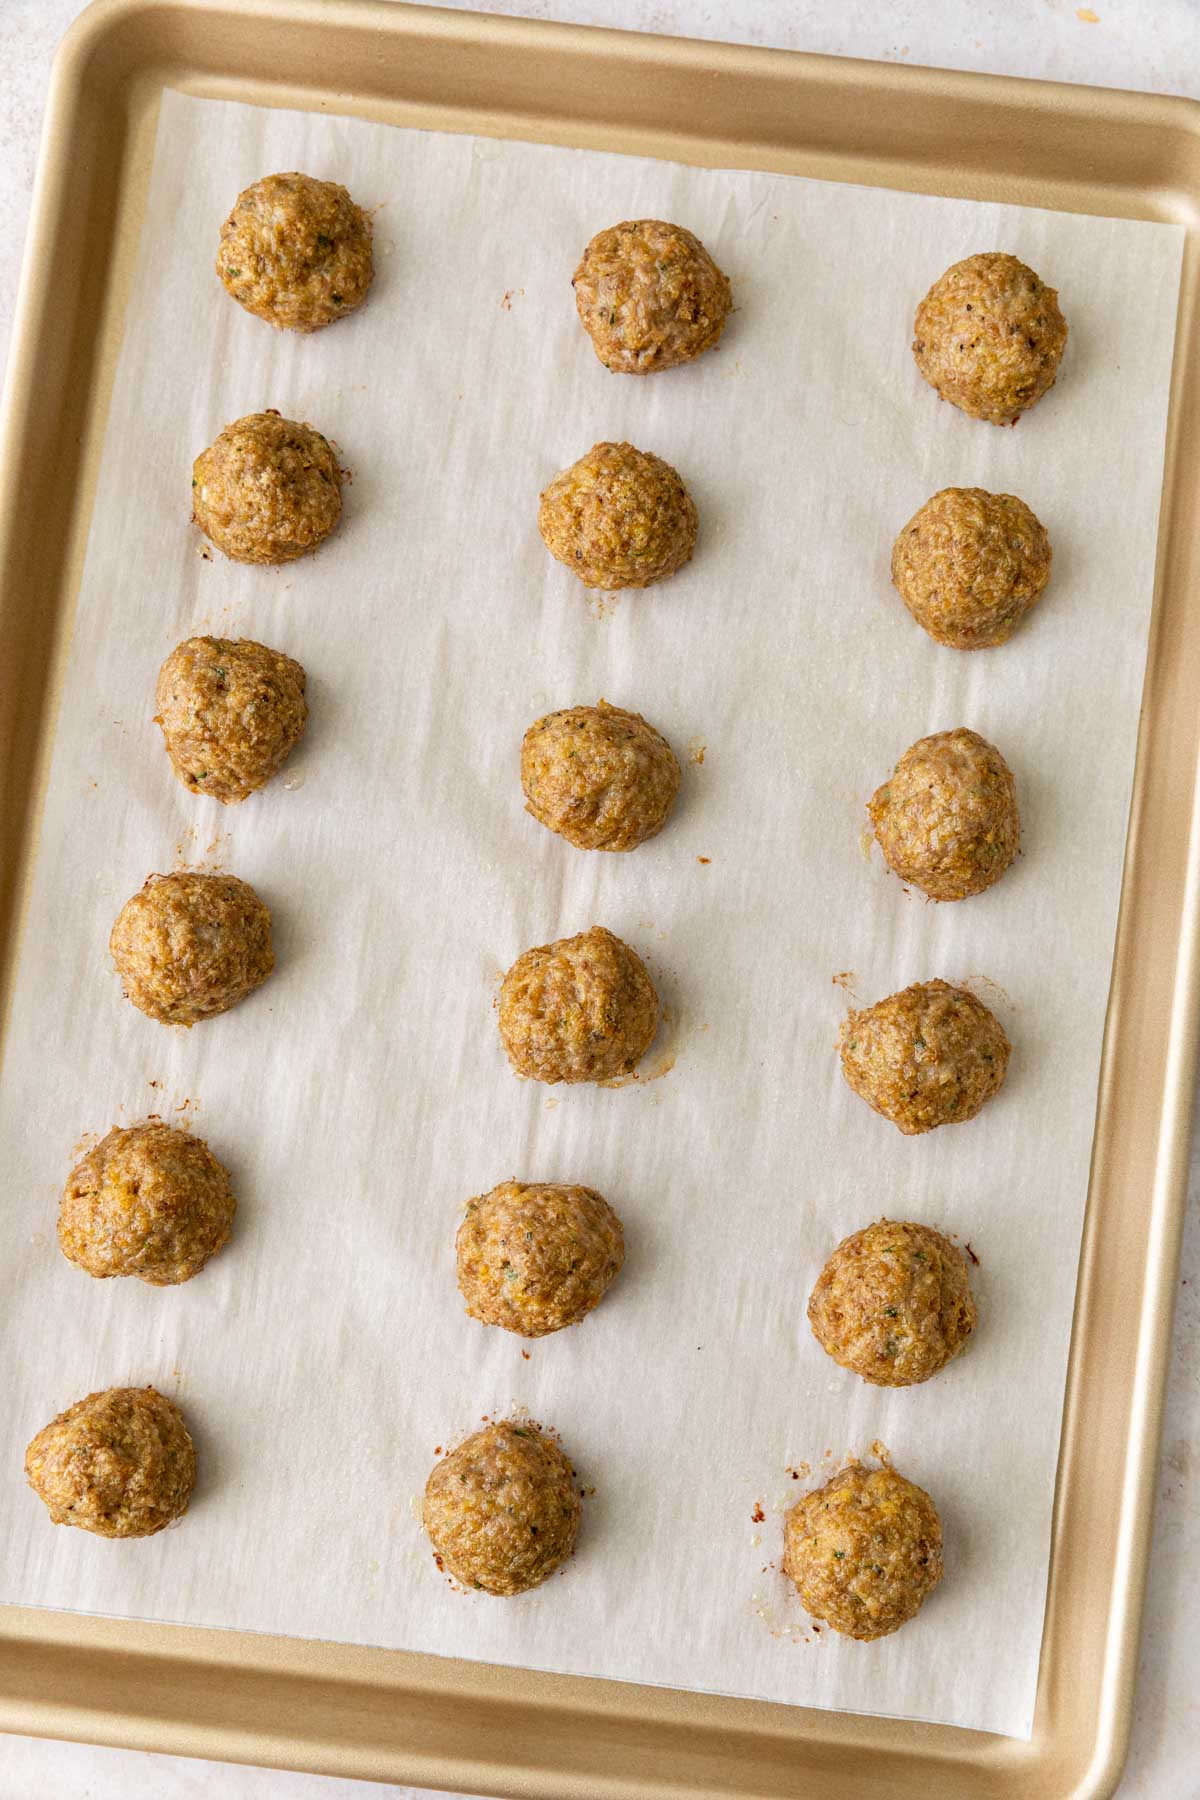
(475, 1728)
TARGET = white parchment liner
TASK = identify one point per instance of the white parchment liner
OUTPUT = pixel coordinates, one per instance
(362, 1096)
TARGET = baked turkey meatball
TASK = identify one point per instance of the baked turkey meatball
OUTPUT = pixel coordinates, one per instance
(536, 1258)
(580, 1009)
(893, 1303)
(931, 1055)
(502, 1511)
(989, 337)
(947, 819)
(600, 777)
(969, 565)
(619, 518)
(188, 946)
(296, 252)
(865, 1551)
(231, 712)
(120, 1463)
(650, 296)
(148, 1201)
(267, 490)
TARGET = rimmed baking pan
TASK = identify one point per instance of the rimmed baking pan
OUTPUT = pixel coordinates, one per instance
(482, 1728)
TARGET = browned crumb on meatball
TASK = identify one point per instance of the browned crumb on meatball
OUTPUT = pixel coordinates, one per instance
(120, 1463)
(619, 518)
(947, 819)
(580, 1009)
(989, 337)
(296, 252)
(969, 565)
(535, 1258)
(865, 1551)
(650, 296)
(190, 945)
(502, 1511)
(599, 776)
(231, 713)
(148, 1201)
(267, 490)
(931, 1055)
(893, 1303)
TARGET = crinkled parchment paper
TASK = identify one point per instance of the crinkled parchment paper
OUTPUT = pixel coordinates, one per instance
(362, 1096)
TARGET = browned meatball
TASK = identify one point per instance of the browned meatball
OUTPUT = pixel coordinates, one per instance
(989, 337)
(188, 946)
(619, 518)
(267, 490)
(534, 1259)
(148, 1201)
(602, 778)
(650, 296)
(969, 566)
(120, 1463)
(502, 1511)
(931, 1055)
(865, 1551)
(580, 1009)
(947, 820)
(231, 713)
(893, 1303)
(296, 252)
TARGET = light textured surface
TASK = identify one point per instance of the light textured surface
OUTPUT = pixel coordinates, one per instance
(1148, 45)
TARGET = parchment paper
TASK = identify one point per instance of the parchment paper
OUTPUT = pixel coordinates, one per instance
(362, 1096)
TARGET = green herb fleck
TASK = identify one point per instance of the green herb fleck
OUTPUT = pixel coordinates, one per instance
(839, 1554)
(891, 1312)
(233, 274)
(323, 242)
(891, 1347)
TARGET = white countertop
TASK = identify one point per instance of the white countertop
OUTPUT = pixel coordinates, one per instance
(1149, 44)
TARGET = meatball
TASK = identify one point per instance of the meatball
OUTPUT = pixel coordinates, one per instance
(600, 777)
(865, 1551)
(893, 1303)
(650, 296)
(969, 566)
(120, 1463)
(188, 946)
(581, 1009)
(231, 712)
(267, 490)
(148, 1201)
(989, 337)
(619, 518)
(947, 819)
(932, 1055)
(296, 252)
(534, 1259)
(502, 1511)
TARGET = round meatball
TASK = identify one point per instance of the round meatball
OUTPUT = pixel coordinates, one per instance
(969, 566)
(932, 1055)
(502, 1511)
(188, 946)
(600, 777)
(581, 1009)
(989, 337)
(865, 1551)
(267, 490)
(893, 1303)
(947, 819)
(536, 1258)
(120, 1463)
(296, 252)
(148, 1201)
(650, 296)
(231, 712)
(619, 518)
